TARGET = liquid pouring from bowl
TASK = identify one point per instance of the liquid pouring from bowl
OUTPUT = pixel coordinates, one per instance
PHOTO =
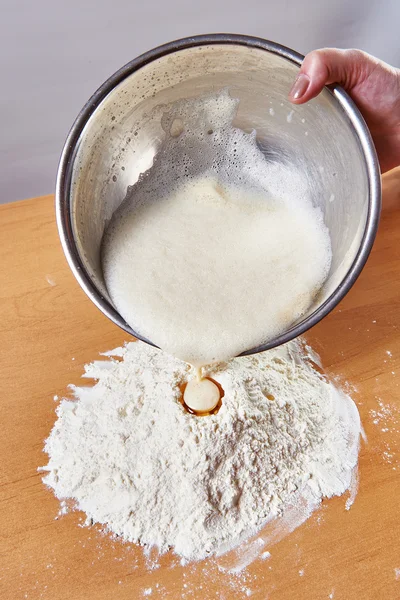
(113, 141)
(215, 249)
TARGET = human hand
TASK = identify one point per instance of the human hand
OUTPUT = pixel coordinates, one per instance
(372, 84)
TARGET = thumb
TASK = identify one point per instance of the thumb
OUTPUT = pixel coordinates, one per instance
(330, 65)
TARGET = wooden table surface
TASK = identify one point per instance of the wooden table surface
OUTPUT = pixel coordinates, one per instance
(49, 330)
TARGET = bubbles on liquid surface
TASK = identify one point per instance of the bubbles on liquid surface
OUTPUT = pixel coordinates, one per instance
(216, 248)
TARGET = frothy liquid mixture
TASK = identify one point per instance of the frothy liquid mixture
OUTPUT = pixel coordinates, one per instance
(215, 250)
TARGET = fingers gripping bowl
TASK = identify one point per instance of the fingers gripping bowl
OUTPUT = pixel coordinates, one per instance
(114, 140)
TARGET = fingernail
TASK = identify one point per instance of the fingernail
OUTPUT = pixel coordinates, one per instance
(300, 86)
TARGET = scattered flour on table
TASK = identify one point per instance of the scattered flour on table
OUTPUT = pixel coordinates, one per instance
(50, 280)
(387, 419)
(129, 455)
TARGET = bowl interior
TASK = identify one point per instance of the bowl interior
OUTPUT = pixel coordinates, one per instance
(123, 134)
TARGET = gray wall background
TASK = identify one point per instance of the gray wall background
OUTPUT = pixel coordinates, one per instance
(54, 54)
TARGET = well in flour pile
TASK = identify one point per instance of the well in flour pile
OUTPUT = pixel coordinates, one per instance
(131, 457)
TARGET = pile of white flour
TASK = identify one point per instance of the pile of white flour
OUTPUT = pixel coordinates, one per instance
(135, 461)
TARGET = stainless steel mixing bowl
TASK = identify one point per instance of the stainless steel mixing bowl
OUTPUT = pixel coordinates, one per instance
(116, 136)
